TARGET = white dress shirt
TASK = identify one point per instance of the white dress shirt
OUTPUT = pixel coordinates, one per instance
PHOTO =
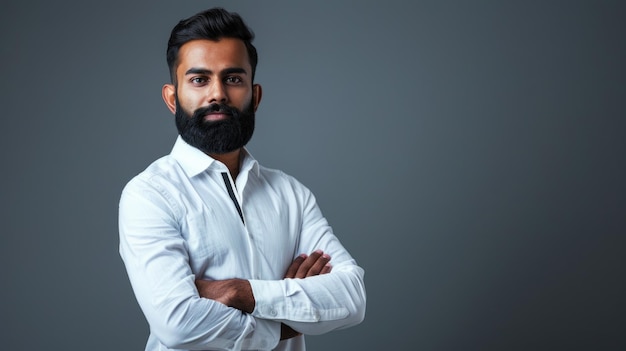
(177, 222)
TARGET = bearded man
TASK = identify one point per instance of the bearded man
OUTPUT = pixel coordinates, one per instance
(221, 252)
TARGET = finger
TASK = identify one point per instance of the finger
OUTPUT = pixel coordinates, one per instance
(293, 267)
(303, 270)
(327, 268)
(319, 265)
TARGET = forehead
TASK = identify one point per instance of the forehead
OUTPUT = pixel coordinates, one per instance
(213, 55)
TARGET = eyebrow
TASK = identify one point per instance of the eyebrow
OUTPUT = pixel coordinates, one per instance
(230, 70)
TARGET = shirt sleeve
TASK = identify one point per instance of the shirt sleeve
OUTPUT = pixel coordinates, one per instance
(156, 259)
(319, 304)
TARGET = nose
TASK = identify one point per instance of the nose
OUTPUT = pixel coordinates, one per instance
(217, 92)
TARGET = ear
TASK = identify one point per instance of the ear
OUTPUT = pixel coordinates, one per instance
(257, 93)
(169, 96)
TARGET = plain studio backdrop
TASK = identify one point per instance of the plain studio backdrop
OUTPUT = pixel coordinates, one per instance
(470, 155)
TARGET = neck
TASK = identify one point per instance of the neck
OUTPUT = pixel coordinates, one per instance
(232, 160)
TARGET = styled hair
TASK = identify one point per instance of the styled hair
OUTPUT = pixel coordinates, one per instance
(211, 24)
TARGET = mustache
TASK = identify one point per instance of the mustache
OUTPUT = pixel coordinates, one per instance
(199, 113)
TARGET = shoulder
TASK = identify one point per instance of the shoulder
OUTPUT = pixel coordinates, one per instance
(273, 175)
(160, 177)
(287, 183)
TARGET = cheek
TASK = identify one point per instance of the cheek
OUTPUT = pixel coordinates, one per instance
(242, 99)
(188, 102)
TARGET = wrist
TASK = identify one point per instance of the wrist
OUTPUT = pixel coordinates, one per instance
(243, 297)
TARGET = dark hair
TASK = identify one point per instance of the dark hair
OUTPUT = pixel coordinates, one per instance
(212, 24)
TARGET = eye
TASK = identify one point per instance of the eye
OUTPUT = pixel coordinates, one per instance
(233, 80)
(198, 80)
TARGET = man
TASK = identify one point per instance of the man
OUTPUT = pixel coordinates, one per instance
(223, 253)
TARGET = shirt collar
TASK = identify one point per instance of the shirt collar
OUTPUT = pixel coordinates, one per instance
(193, 161)
(249, 163)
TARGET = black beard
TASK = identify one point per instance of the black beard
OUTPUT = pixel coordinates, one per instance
(216, 137)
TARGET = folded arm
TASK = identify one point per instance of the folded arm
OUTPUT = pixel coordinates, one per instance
(156, 259)
(237, 293)
(309, 303)
(320, 303)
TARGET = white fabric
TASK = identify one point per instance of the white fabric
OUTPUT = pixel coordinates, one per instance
(178, 223)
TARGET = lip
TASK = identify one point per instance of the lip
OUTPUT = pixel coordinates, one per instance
(216, 116)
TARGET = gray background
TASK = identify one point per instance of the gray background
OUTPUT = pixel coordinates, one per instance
(471, 156)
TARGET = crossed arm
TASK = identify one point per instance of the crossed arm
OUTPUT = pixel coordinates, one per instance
(189, 314)
(237, 293)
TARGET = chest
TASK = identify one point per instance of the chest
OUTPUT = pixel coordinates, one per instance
(221, 245)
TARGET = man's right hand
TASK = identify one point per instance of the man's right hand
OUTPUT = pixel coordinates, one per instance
(305, 266)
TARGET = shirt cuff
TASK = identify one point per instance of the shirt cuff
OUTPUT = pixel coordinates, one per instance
(282, 300)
